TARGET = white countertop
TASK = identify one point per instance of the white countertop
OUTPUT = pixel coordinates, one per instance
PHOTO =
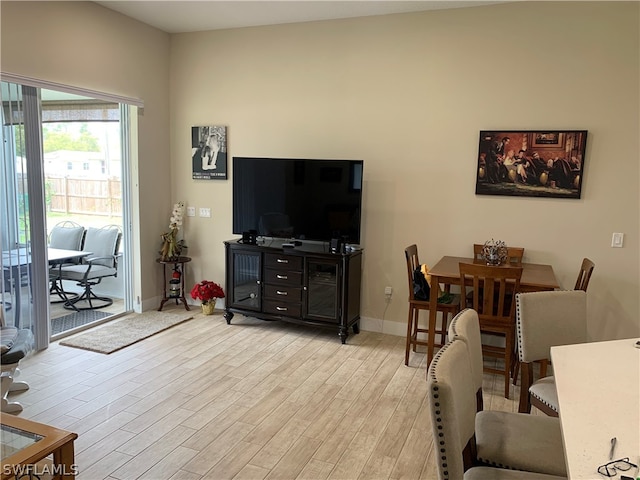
(598, 387)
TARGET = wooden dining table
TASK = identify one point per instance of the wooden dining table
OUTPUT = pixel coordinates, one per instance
(535, 278)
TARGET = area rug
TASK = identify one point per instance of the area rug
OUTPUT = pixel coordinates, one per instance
(126, 331)
(76, 319)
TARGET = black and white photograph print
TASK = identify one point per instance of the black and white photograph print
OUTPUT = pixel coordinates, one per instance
(209, 152)
(541, 163)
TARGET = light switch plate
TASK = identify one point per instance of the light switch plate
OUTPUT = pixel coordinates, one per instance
(617, 240)
(191, 211)
(205, 212)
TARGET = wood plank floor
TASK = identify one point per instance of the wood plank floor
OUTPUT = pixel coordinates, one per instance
(251, 400)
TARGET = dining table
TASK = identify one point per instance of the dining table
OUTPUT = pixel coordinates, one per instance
(18, 259)
(598, 385)
(535, 278)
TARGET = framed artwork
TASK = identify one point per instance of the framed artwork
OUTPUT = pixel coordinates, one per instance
(209, 152)
(531, 163)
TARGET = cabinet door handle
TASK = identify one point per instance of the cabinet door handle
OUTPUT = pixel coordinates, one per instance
(282, 309)
(282, 277)
(282, 260)
(280, 292)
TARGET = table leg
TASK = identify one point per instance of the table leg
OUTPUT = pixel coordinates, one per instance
(63, 461)
(433, 312)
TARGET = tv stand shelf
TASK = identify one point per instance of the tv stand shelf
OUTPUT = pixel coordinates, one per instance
(306, 284)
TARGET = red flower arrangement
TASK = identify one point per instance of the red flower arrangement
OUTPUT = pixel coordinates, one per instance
(206, 291)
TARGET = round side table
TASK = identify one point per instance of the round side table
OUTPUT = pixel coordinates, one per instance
(176, 263)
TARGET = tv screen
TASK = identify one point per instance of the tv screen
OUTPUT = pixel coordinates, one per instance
(306, 199)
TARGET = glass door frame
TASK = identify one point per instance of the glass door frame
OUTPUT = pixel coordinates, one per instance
(34, 153)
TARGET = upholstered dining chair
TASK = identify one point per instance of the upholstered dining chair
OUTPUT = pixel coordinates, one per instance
(66, 235)
(584, 275)
(416, 304)
(492, 292)
(466, 442)
(544, 320)
(514, 254)
(103, 245)
(465, 326)
(15, 344)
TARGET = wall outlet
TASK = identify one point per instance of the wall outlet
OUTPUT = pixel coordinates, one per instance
(205, 212)
(388, 291)
(191, 211)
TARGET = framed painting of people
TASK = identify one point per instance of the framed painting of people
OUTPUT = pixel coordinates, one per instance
(209, 152)
(531, 163)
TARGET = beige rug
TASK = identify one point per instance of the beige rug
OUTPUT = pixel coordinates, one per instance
(126, 331)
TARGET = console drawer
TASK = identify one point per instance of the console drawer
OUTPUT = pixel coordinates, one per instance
(282, 277)
(282, 308)
(282, 293)
(286, 262)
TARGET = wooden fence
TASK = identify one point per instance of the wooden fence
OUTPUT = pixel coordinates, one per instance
(84, 195)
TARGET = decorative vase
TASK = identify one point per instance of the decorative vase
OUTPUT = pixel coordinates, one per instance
(494, 252)
(543, 178)
(209, 307)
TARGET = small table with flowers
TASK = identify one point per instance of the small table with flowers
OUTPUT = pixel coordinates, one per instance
(176, 289)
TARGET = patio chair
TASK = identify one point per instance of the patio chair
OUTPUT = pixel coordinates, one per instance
(103, 245)
(66, 235)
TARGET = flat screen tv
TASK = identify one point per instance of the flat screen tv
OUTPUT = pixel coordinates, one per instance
(305, 199)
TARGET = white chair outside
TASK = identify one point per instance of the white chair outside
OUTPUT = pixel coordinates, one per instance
(103, 245)
(65, 235)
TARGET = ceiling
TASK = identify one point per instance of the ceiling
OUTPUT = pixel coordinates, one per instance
(193, 16)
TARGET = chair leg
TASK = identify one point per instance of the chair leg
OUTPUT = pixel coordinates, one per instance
(527, 380)
(409, 332)
(508, 352)
(543, 367)
(414, 328)
(516, 371)
(6, 384)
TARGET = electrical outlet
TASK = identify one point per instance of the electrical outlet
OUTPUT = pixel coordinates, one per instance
(191, 211)
(205, 212)
(388, 291)
(617, 240)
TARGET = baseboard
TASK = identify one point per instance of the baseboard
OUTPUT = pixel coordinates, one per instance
(383, 326)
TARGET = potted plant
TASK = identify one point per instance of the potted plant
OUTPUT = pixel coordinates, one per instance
(207, 292)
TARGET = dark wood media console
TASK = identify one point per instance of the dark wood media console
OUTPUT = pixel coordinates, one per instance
(306, 284)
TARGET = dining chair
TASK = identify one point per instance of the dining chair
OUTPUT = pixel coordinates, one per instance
(492, 296)
(514, 254)
(545, 320)
(66, 235)
(586, 269)
(103, 245)
(418, 304)
(582, 282)
(472, 445)
(465, 326)
(15, 344)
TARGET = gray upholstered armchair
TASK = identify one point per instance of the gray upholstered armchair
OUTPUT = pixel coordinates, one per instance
(103, 245)
(65, 235)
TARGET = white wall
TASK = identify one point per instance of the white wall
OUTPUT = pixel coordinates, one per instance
(408, 94)
(84, 45)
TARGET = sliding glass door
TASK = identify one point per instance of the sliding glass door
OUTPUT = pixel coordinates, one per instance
(65, 161)
(24, 274)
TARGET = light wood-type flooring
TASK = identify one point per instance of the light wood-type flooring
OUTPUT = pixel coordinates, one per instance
(250, 400)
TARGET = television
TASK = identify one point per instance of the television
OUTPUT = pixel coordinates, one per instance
(304, 199)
